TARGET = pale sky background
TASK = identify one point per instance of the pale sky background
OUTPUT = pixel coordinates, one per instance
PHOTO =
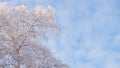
(90, 35)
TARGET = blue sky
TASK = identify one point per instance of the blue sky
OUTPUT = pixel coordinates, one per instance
(90, 35)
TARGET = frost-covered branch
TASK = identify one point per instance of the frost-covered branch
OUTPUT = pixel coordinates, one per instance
(19, 30)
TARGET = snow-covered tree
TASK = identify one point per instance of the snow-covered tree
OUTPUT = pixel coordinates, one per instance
(19, 32)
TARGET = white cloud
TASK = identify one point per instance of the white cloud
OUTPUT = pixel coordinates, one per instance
(96, 28)
(89, 29)
(112, 61)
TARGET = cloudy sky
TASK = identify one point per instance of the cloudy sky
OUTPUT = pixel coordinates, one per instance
(90, 36)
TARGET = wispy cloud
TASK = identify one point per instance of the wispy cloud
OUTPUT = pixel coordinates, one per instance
(90, 31)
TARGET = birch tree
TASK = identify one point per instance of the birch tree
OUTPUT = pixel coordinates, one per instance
(19, 32)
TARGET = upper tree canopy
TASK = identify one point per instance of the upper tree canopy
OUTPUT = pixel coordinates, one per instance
(19, 29)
